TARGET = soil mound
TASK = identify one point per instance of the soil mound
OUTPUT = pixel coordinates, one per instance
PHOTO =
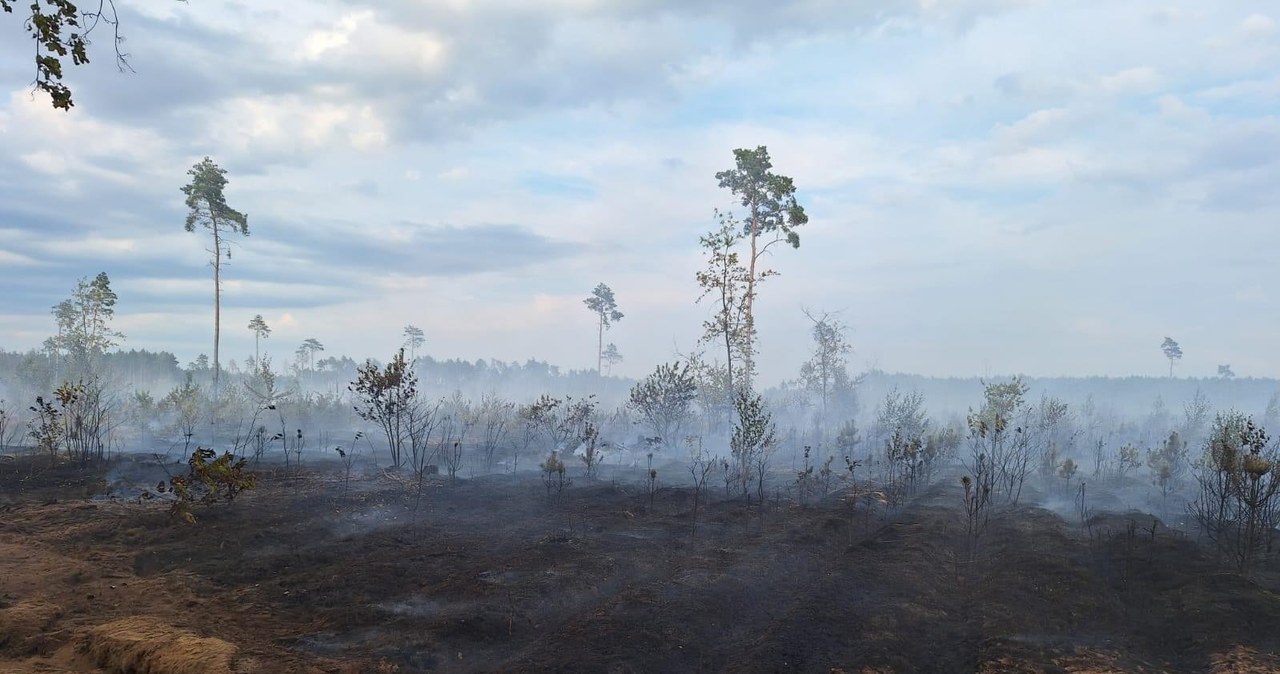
(142, 645)
(25, 626)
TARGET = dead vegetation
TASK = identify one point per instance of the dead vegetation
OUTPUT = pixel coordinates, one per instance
(144, 645)
(322, 575)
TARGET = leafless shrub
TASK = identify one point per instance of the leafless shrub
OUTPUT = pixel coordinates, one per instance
(495, 424)
(700, 466)
(1236, 507)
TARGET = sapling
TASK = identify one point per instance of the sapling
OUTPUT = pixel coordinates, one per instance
(554, 477)
(1067, 471)
(727, 474)
(977, 499)
(804, 478)
(9, 426)
(825, 474)
(45, 427)
(1083, 509)
(1127, 460)
(348, 458)
(700, 466)
(1167, 464)
(591, 454)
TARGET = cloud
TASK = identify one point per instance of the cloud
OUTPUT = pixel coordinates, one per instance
(475, 168)
(1258, 25)
(1141, 80)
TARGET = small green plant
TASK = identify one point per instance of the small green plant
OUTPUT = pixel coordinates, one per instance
(554, 477)
(1127, 461)
(45, 427)
(1067, 472)
(826, 474)
(591, 454)
(804, 478)
(211, 478)
(348, 458)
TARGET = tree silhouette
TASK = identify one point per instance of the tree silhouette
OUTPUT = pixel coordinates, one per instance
(209, 209)
(603, 305)
(1171, 351)
(772, 216)
(260, 331)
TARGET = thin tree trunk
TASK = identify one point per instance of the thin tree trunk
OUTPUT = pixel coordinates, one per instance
(599, 344)
(728, 362)
(749, 338)
(217, 325)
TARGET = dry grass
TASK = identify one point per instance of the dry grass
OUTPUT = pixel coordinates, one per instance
(25, 627)
(142, 645)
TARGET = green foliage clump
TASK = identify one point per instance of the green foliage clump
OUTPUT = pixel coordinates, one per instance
(211, 479)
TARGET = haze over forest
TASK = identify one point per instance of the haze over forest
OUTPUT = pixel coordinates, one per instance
(988, 193)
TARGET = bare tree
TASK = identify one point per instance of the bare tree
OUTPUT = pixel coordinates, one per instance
(495, 419)
(826, 369)
(700, 466)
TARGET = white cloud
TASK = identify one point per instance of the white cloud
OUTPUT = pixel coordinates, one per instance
(1258, 25)
(1140, 80)
(1055, 161)
(296, 124)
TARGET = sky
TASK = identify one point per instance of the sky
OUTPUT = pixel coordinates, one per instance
(994, 186)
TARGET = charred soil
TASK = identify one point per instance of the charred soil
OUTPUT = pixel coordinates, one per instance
(307, 574)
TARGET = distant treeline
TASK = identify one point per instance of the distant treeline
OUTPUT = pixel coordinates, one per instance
(158, 372)
(1125, 396)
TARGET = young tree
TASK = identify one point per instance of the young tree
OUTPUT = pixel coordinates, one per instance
(1171, 351)
(413, 338)
(725, 279)
(665, 400)
(1225, 371)
(84, 324)
(388, 397)
(1239, 489)
(1167, 464)
(603, 305)
(999, 446)
(260, 331)
(826, 369)
(771, 217)
(611, 356)
(752, 443)
(209, 209)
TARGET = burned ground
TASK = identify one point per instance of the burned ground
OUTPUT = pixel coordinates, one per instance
(305, 574)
